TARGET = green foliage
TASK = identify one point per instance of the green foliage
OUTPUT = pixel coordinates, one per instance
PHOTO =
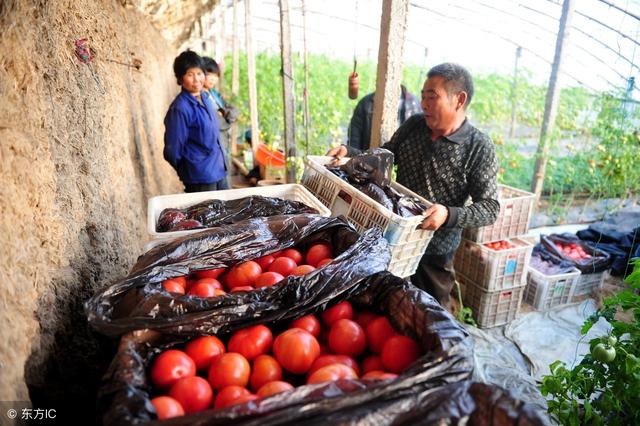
(602, 390)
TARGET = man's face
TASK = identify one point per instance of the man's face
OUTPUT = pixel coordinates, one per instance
(440, 109)
(211, 80)
(193, 80)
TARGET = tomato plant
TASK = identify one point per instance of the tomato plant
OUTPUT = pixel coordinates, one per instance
(604, 388)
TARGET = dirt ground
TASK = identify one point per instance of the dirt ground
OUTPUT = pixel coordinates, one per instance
(81, 152)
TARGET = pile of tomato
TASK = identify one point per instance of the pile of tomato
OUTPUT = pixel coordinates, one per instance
(259, 361)
(253, 274)
(573, 251)
(499, 245)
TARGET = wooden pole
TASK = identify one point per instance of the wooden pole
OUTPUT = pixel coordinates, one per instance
(288, 91)
(251, 75)
(223, 46)
(307, 112)
(553, 95)
(514, 100)
(393, 27)
(235, 76)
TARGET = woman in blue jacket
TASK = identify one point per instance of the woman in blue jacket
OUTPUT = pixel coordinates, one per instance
(192, 135)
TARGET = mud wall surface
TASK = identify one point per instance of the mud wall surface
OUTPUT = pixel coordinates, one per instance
(80, 153)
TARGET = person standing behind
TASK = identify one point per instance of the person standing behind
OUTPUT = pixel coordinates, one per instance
(446, 160)
(360, 125)
(192, 136)
(227, 113)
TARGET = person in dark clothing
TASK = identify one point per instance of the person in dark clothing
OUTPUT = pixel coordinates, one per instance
(192, 136)
(446, 160)
(227, 113)
(360, 125)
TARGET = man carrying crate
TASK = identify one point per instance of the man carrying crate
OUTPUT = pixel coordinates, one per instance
(446, 160)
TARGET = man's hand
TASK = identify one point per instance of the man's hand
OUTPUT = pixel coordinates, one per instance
(338, 152)
(436, 216)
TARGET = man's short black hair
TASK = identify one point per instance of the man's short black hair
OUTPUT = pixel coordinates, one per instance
(184, 61)
(457, 79)
(210, 66)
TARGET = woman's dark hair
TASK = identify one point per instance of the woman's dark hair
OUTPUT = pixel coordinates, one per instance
(456, 77)
(210, 66)
(184, 61)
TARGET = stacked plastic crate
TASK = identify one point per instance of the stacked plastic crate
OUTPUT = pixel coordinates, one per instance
(491, 262)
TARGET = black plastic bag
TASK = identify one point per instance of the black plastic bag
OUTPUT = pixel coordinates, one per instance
(598, 262)
(212, 213)
(447, 359)
(139, 301)
(373, 165)
(621, 246)
(548, 263)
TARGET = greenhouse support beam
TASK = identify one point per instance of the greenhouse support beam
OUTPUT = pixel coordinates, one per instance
(288, 91)
(251, 75)
(235, 75)
(393, 27)
(552, 100)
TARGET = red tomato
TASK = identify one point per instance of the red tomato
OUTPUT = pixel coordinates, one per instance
(332, 372)
(241, 289)
(273, 388)
(265, 261)
(193, 393)
(267, 279)
(188, 284)
(296, 349)
(229, 369)
(251, 341)
(210, 273)
(245, 398)
(167, 407)
(379, 375)
(203, 350)
(265, 369)
(229, 396)
(379, 331)
(293, 254)
(318, 252)
(364, 318)
(336, 312)
(398, 353)
(283, 265)
(372, 363)
(244, 274)
(303, 270)
(215, 283)
(170, 366)
(181, 279)
(324, 360)
(347, 338)
(204, 289)
(324, 262)
(309, 323)
(173, 286)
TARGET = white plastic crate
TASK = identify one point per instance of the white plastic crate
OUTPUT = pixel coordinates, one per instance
(516, 207)
(408, 242)
(292, 192)
(494, 269)
(588, 283)
(546, 291)
(490, 308)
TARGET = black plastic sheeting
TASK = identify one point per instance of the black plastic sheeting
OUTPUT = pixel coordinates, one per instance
(548, 263)
(447, 359)
(212, 213)
(370, 173)
(619, 236)
(139, 301)
(598, 262)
